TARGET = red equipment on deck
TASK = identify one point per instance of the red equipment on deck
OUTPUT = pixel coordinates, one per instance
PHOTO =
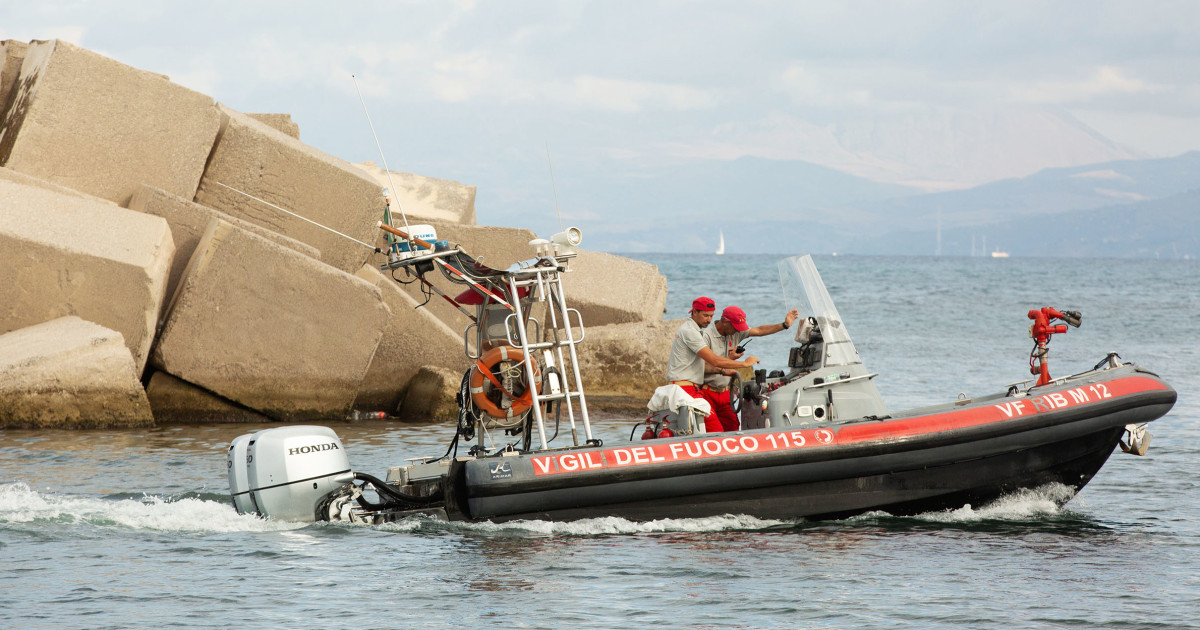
(1041, 330)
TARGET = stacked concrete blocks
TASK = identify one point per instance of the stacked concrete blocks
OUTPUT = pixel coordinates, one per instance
(258, 312)
(269, 328)
(71, 255)
(85, 121)
(69, 373)
(268, 170)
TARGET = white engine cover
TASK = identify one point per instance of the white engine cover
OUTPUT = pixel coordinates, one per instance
(283, 473)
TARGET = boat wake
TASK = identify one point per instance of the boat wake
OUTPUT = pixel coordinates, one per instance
(607, 525)
(20, 504)
(1023, 505)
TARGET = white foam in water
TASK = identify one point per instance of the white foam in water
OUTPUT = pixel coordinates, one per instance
(1022, 505)
(20, 504)
(598, 526)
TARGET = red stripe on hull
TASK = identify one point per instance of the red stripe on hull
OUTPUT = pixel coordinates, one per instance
(721, 445)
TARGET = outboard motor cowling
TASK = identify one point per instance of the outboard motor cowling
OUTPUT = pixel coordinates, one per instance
(285, 472)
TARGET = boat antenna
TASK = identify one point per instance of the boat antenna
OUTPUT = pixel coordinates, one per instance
(553, 187)
(285, 210)
(391, 185)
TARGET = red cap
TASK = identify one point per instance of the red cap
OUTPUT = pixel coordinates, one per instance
(736, 317)
(703, 304)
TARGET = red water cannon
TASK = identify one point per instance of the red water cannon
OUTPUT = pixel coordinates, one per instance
(1041, 330)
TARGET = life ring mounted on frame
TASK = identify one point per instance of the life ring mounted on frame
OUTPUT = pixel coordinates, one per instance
(499, 376)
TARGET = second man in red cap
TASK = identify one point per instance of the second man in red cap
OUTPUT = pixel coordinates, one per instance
(723, 338)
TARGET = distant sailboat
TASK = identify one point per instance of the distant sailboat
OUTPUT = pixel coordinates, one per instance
(721, 243)
(999, 254)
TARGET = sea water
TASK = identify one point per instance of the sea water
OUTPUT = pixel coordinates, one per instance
(134, 529)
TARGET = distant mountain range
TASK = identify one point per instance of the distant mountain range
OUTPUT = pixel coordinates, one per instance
(1124, 208)
(1158, 228)
(1127, 208)
(943, 148)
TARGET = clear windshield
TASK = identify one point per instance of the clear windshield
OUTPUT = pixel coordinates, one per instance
(804, 290)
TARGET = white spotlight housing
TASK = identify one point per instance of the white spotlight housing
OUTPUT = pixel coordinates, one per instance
(567, 240)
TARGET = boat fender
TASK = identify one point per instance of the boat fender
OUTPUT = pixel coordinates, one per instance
(483, 369)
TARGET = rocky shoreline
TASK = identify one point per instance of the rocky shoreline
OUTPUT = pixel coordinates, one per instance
(148, 279)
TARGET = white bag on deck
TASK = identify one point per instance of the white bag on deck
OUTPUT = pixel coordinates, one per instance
(672, 397)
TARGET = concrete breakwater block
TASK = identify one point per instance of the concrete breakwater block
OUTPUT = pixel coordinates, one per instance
(496, 247)
(70, 255)
(431, 395)
(270, 328)
(69, 373)
(279, 122)
(425, 199)
(622, 364)
(189, 220)
(90, 123)
(18, 177)
(12, 54)
(413, 339)
(262, 162)
(175, 401)
(609, 289)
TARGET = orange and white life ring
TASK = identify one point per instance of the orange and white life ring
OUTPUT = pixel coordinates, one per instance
(483, 370)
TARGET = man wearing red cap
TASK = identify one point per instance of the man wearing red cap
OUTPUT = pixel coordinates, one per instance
(723, 339)
(690, 353)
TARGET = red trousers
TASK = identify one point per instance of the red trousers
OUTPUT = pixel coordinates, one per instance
(722, 418)
(712, 424)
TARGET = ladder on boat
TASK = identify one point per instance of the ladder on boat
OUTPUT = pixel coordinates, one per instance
(540, 278)
(558, 352)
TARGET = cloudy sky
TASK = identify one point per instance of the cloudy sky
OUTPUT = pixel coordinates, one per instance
(481, 91)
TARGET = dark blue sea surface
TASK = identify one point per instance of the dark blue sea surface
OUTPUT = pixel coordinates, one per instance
(133, 529)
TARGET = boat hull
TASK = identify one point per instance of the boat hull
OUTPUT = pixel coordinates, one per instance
(941, 458)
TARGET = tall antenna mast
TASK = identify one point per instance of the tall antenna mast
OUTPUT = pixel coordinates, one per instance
(391, 185)
(553, 187)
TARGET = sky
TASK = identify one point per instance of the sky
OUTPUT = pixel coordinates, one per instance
(502, 94)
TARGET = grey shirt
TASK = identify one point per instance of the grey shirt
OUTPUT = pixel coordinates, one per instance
(685, 364)
(722, 346)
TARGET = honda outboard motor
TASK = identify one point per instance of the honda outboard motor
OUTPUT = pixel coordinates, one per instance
(285, 472)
